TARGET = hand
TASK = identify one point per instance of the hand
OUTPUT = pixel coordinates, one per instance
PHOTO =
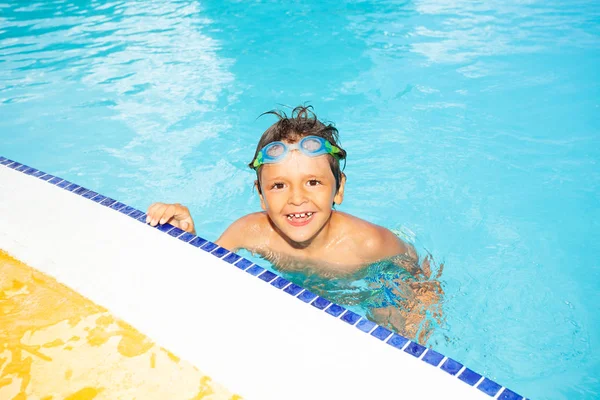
(174, 214)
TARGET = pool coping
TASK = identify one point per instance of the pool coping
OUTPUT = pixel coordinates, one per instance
(399, 342)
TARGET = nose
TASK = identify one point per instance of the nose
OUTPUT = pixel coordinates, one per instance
(297, 196)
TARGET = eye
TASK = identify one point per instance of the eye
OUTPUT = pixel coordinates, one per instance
(277, 185)
(314, 182)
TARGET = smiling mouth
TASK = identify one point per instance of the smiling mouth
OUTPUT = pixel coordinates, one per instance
(300, 218)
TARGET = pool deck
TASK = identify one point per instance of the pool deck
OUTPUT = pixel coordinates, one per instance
(250, 336)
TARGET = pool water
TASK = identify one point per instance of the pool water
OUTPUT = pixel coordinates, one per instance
(471, 127)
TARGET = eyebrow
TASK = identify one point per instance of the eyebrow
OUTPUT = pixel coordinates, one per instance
(277, 178)
(309, 176)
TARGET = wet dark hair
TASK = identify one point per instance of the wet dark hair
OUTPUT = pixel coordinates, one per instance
(301, 123)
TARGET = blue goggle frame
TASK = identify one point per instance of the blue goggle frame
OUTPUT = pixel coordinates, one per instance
(311, 146)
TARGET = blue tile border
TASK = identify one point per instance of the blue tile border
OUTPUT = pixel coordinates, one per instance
(395, 340)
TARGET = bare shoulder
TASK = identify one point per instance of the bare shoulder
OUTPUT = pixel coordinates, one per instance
(246, 232)
(374, 241)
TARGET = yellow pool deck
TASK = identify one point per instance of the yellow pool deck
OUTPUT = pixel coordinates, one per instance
(56, 344)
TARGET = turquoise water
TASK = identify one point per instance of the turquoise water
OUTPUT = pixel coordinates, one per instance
(473, 125)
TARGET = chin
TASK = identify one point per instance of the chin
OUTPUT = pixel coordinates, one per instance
(299, 237)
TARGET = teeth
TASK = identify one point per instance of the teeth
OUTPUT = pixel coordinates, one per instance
(302, 215)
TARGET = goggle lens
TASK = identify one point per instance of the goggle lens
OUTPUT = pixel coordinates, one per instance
(275, 150)
(311, 145)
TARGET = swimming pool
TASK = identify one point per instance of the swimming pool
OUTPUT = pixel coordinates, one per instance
(474, 126)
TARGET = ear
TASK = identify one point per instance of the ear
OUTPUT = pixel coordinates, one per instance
(263, 205)
(339, 196)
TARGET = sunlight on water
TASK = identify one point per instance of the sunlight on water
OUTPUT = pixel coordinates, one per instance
(56, 344)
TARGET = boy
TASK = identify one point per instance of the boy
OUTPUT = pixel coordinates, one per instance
(299, 181)
(298, 189)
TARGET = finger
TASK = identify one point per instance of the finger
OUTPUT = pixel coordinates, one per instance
(157, 214)
(151, 213)
(168, 213)
(191, 227)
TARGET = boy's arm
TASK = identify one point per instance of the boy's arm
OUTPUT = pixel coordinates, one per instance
(384, 244)
(175, 214)
(381, 243)
(243, 233)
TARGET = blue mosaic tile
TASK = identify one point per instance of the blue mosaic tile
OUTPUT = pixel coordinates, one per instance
(209, 246)
(117, 206)
(220, 252)
(508, 394)
(489, 387)
(30, 171)
(365, 325)
(320, 303)
(127, 210)
(350, 317)
(414, 349)
(15, 165)
(64, 184)
(381, 333)
(280, 282)
(267, 276)
(72, 187)
(90, 194)
(255, 270)
(433, 357)
(175, 232)
(55, 180)
(6, 162)
(22, 167)
(46, 177)
(135, 214)
(2, 159)
(335, 310)
(243, 263)
(307, 296)
(470, 377)
(186, 237)
(451, 366)
(141, 218)
(397, 341)
(164, 227)
(99, 198)
(37, 174)
(81, 190)
(198, 241)
(108, 202)
(232, 258)
(293, 289)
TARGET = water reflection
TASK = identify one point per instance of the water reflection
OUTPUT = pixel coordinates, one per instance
(463, 106)
(165, 75)
(141, 82)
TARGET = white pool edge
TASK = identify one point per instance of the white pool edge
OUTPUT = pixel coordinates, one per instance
(255, 339)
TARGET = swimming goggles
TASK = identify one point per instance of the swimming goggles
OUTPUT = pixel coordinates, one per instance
(311, 146)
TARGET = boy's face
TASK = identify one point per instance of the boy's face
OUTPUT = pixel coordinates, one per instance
(297, 194)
